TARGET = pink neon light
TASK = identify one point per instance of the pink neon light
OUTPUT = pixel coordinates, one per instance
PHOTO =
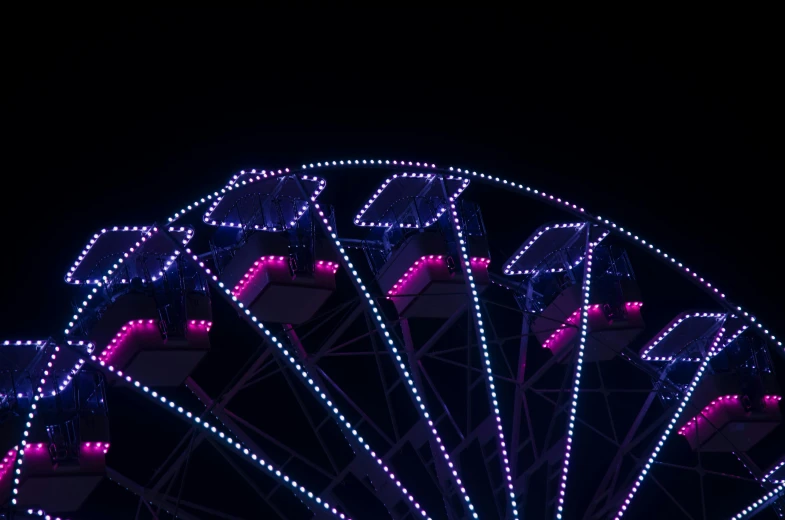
(6, 464)
(259, 266)
(573, 318)
(560, 332)
(85, 447)
(137, 326)
(726, 401)
(424, 261)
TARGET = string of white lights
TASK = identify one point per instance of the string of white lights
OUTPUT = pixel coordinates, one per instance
(761, 503)
(478, 321)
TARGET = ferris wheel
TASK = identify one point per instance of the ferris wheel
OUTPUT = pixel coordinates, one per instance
(374, 339)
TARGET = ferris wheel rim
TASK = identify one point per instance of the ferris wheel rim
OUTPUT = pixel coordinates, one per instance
(617, 230)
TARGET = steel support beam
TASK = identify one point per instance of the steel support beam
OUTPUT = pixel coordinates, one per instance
(148, 496)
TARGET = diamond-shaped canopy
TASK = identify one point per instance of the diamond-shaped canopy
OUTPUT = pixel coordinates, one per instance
(685, 331)
(535, 253)
(109, 245)
(410, 200)
(264, 201)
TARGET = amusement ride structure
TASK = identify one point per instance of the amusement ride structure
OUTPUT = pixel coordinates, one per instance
(383, 349)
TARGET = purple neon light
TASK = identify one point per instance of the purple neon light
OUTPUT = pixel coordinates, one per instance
(673, 326)
(146, 233)
(550, 199)
(132, 229)
(478, 321)
(358, 219)
(509, 268)
(238, 182)
(400, 366)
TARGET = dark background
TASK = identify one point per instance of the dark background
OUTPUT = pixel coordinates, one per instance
(670, 127)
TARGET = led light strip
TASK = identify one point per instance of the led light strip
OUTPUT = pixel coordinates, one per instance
(236, 183)
(20, 450)
(577, 377)
(147, 234)
(507, 473)
(693, 384)
(342, 422)
(215, 432)
(508, 268)
(380, 190)
(128, 329)
(421, 263)
(776, 468)
(400, 366)
(762, 501)
(69, 276)
(673, 327)
(25, 343)
(720, 400)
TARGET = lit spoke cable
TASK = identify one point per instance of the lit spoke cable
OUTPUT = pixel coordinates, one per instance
(584, 332)
(400, 365)
(763, 502)
(23, 444)
(480, 330)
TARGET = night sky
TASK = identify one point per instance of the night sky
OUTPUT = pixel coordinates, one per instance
(673, 129)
